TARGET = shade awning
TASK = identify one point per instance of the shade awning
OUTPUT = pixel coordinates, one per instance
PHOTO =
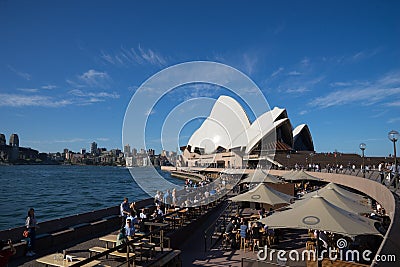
(319, 214)
(263, 194)
(337, 199)
(260, 176)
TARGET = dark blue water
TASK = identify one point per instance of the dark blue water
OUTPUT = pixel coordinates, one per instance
(59, 191)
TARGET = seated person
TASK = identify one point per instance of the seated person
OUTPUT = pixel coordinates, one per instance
(143, 214)
(129, 228)
(7, 253)
(158, 214)
(122, 239)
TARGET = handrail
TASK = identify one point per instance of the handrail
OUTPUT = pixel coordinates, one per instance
(160, 227)
(216, 227)
(129, 243)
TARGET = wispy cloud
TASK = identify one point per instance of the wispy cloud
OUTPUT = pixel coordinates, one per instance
(73, 140)
(249, 63)
(28, 90)
(299, 90)
(376, 91)
(134, 56)
(393, 120)
(364, 54)
(94, 78)
(23, 75)
(91, 78)
(19, 100)
(87, 98)
(393, 104)
(340, 84)
(303, 112)
(49, 87)
(294, 73)
(80, 93)
(275, 73)
(305, 62)
(297, 85)
(354, 57)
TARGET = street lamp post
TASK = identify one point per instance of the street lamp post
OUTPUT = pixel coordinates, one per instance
(311, 158)
(363, 147)
(394, 136)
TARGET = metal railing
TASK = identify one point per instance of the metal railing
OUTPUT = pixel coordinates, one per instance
(387, 178)
(216, 230)
(126, 246)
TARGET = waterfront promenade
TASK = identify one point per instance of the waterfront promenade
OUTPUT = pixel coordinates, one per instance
(193, 253)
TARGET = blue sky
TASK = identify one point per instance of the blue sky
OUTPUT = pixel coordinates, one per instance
(68, 69)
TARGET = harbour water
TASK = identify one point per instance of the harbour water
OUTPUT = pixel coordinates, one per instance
(57, 191)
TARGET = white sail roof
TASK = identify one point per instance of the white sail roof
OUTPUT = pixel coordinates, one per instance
(225, 123)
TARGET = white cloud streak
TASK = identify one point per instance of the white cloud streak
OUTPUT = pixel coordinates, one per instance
(374, 92)
(250, 63)
(94, 78)
(28, 90)
(19, 100)
(80, 93)
(134, 56)
(49, 87)
(24, 75)
(275, 73)
(294, 73)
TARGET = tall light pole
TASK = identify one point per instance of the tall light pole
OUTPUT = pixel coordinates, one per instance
(363, 147)
(311, 156)
(394, 136)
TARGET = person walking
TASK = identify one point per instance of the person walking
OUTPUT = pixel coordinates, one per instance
(31, 226)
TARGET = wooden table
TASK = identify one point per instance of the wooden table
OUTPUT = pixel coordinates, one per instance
(49, 260)
(109, 238)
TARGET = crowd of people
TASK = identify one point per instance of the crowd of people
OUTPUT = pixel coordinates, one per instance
(252, 232)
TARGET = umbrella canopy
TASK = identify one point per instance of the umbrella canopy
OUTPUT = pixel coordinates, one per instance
(318, 214)
(263, 194)
(260, 176)
(299, 176)
(346, 193)
(331, 195)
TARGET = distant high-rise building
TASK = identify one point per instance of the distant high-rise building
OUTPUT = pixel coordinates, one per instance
(127, 150)
(134, 152)
(93, 148)
(14, 140)
(2, 140)
(83, 151)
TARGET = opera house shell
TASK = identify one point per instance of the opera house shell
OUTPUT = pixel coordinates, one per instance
(227, 139)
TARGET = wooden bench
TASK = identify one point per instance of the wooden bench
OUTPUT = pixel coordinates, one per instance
(114, 253)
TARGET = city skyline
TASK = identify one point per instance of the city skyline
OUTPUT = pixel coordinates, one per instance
(68, 70)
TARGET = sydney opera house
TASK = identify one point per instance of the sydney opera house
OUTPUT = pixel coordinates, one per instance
(227, 138)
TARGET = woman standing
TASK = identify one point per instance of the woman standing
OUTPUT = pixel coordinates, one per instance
(31, 225)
